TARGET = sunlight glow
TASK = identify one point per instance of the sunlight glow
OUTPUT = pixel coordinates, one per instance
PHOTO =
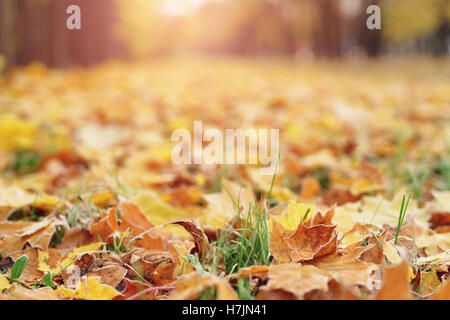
(180, 7)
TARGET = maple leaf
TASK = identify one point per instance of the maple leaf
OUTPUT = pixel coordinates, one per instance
(312, 242)
(295, 278)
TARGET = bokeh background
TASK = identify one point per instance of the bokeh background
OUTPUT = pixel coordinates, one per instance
(304, 30)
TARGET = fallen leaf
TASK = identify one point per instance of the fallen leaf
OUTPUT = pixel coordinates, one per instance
(136, 290)
(75, 254)
(312, 242)
(223, 206)
(443, 292)
(395, 283)
(279, 248)
(4, 283)
(109, 275)
(345, 266)
(296, 212)
(89, 289)
(133, 219)
(201, 241)
(20, 293)
(191, 285)
(296, 278)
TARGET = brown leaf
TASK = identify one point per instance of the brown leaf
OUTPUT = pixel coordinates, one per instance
(137, 291)
(278, 245)
(318, 218)
(20, 293)
(374, 250)
(310, 188)
(294, 278)
(132, 218)
(133, 215)
(346, 267)
(159, 267)
(180, 249)
(395, 283)
(111, 275)
(440, 219)
(335, 291)
(74, 238)
(339, 197)
(276, 294)
(15, 234)
(201, 241)
(191, 285)
(442, 229)
(312, 242)
(106, 226)
(254, 271)
(443, 293)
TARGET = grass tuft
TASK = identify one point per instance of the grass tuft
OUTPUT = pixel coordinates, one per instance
(401, 216)
(247, 244)
(25, 162)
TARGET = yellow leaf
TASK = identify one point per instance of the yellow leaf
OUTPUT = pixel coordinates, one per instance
(4, 283)
(16, 133)
(222, 206)
(161, 153)
(95, 246)
(15, 197)
(411, 274)
(431, 242)
(283, 194)
(391, 253)
(94, 291)
(102, 198)
(42, 259)
(296, 212)
(200, 179)
(157, 211)
(378, 211)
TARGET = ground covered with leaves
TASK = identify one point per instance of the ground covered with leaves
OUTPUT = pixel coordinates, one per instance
(92, 207)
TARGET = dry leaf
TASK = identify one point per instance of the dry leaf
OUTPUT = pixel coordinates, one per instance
(443, 292)
(312, 242)
(201, 241)
(191, 285)
(20, 293)
(395, 283)
(297, 279)
(89, 289)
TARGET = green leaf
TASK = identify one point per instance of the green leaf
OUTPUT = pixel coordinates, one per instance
(47, 280)
(18, 267)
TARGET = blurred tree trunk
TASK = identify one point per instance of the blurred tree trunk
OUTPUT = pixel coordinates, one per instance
(327, 39)
(33, 30)
(9, 29)
(442, 39)
(370, 40)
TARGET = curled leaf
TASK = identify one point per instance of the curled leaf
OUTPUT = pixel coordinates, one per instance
(312, 242)
(201, 241)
